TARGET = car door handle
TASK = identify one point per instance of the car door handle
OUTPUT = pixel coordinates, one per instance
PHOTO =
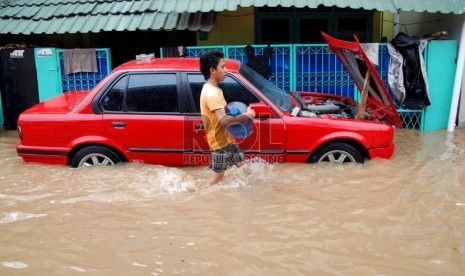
(118, 124)
(199, 126)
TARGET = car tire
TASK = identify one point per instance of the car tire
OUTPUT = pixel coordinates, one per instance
(337, 153)
(95, 156)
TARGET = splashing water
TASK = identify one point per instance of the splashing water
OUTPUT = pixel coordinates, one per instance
(254, 171)
(16, 265)
(16, 216)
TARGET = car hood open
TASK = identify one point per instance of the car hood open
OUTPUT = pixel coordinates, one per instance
(354, 59)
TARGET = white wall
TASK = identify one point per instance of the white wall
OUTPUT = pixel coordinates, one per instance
(420, 24)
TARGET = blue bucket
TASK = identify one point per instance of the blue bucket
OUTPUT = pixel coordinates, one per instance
(242, 129)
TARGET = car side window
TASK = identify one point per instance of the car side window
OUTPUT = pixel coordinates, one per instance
(196, 82)
(152, 93)
(113, 100)
(232, 91)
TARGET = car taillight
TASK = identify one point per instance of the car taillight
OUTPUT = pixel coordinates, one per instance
(20, 132)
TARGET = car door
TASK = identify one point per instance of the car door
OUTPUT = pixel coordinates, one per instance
(268, 138)
(142, 112)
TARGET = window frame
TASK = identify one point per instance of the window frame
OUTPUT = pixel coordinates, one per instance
(181, 96)
(294, 15)
(258, 27)
(125, 107)
(108, 90)
(190, 96)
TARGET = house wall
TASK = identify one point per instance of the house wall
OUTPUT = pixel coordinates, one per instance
(386, 25)
(383, 27)
(456, 22)
(420, 24)
(237, 27)
(231, 28)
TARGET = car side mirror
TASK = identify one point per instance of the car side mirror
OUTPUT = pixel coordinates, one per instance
(262, 110)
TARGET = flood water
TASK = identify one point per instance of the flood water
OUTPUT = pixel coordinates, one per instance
(403, 216)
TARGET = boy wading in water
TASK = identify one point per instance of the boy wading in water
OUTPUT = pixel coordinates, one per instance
(225, 150)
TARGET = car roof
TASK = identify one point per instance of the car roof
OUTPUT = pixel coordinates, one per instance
(178, 63)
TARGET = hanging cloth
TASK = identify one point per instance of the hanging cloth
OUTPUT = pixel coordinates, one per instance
(79, 60)
(407, 76)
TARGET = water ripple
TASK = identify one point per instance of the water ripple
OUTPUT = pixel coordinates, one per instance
(17, 265)
(17, 216)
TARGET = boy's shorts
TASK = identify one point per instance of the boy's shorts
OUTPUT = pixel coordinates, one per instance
(227, 156)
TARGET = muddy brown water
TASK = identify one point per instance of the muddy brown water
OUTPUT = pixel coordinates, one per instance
(403, 216)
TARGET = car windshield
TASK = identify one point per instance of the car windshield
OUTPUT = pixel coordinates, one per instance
(278, 96)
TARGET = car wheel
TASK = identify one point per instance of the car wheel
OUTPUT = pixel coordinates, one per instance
(337, 153)
(95, 156)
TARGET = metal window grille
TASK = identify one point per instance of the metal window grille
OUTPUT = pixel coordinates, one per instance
(86, 80)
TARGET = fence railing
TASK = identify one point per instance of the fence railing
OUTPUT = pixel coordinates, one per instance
(86, 80)
(312, 67)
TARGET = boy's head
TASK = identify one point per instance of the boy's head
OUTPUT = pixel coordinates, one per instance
(210, 60)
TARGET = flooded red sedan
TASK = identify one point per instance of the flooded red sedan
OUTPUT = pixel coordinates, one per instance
(148, 110)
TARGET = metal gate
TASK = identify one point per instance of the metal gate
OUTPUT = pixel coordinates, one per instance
(312, 67)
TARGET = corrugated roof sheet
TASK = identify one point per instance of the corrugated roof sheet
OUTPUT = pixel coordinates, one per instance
(71, 16)
(442, 6)
(83, 16)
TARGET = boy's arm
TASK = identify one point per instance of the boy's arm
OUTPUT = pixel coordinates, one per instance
(226, 120)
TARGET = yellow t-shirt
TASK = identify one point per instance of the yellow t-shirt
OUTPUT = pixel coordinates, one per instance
(211, 99)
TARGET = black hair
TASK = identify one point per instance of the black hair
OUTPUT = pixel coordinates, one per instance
(210, 59)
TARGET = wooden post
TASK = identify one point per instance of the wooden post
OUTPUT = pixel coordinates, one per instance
(363, 102)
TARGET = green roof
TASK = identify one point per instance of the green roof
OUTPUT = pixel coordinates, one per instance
(442, 6)
(82, 16)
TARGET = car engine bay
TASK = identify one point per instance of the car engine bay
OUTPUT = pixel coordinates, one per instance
(320, 105)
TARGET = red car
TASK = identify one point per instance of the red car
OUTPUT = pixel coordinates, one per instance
(149, 111)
